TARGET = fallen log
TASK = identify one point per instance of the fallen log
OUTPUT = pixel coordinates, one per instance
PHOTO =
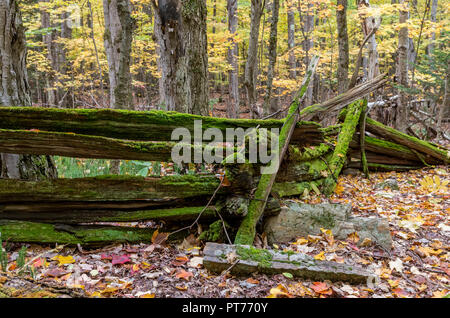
(373, 157)
(135, 125)
(385, 147)
(344, 99)
(384, 167)
(83, 213)
(35, 142)
(31, 232)
(243, 260)
(139, 191)
(430, 150)
(339, 156)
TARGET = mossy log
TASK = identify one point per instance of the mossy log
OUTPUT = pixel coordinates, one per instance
(344, 99)
(31, 232)
(385, 147)
(430, 150)
(373, 157)
(247, 229)
(249, 260)
(339, 156)
(85, 146)
(113, 189)
(384, 167)
(135, 125)
(82, 213)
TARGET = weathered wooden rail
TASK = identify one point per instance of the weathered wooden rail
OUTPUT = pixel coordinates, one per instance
(26, 206)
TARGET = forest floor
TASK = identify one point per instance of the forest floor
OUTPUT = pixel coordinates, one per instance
(417, 266)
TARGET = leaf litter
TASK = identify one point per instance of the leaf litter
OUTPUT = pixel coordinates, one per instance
(417, 266)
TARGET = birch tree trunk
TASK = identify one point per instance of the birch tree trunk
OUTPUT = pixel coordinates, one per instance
(233, 74)
(180, 29)
(342, 71)
(118, 39)
(15, 91)
(401, 119)
(251, 65)
(268, 109)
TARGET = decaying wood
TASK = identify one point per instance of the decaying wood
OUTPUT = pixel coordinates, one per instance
(247, 229)
(345, 136)
(411, 142)
(134, 125)
(220, 257)
(33, 232)
(344, 99)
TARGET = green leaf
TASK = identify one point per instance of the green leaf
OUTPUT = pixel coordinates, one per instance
(288, 275)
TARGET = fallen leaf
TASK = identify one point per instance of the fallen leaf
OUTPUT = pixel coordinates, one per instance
(321, 288)
(120, 259)
(320, 256)
(63, 260)
(279, 292)
(182, 274)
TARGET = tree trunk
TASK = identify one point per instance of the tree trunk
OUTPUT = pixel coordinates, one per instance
(251, 66)
(118, 39)
(48, 39)
(401, 119)
(233, 107)
(66, 33)
(368, 24)
(272, 57)
(342, 71)
(180, 29)
(430, 47)
(291, 40)
(307, 19)
(14, 91)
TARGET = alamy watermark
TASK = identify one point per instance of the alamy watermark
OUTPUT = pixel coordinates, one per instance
(239, 145)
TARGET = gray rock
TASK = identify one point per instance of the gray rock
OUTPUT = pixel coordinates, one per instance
(388, 183)
(300, 220)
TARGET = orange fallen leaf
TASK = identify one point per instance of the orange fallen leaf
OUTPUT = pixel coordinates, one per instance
(252, 281)
(321, 288)
(184, 275)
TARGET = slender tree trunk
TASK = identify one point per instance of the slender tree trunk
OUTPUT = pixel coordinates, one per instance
(251, 66)
(180, 29)
(272, 57)
(430, 47)
(342, 71)
(118, 39)
(368, 24)
(291, 40)
(48, 39)
(444, 109)
(15, 91)
(65, 97)
(233, 53)
(307, 19)
(401, 119)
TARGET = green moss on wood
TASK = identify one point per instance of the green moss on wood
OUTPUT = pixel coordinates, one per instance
(345, 137)
(408, 141)
(262, 257)
(307, 153)
(30, 232)
(108, 187)
(131, 125)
